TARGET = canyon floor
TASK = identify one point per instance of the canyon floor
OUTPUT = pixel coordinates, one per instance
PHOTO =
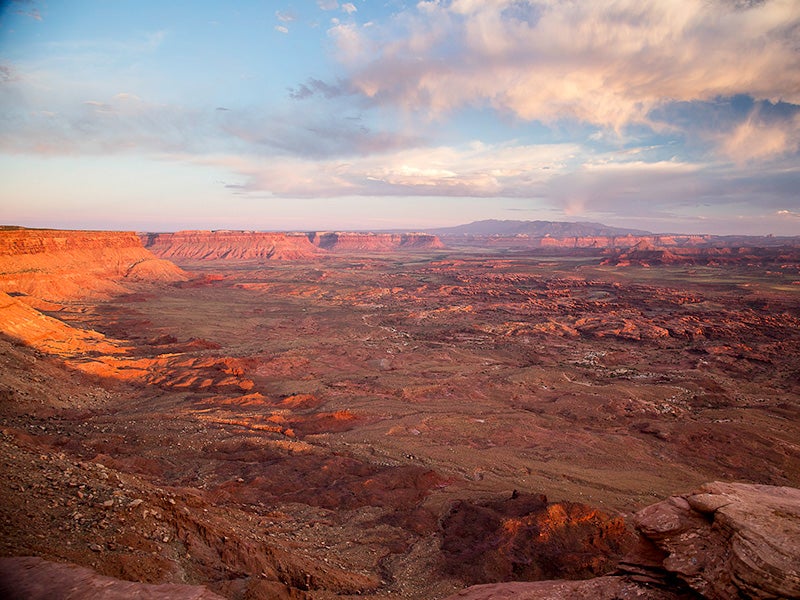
(319, 428)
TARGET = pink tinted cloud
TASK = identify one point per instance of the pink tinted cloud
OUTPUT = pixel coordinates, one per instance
(601, 63)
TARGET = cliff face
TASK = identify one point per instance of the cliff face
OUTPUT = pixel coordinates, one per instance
(259, 245)
(648, 254)
(375, 242)
(689, 243)
(57, 266)
(232, 245)
(624, 241)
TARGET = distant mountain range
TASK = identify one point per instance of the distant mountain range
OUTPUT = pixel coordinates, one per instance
(560, 229)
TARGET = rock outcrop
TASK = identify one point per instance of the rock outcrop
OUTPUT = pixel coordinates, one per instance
(374, 242)
(262, 245)
(230, 245)
(47, 334)
(526, 537)
(730, 540)
(57, 266)
(724, 541)
(33, 578)
(648, 254)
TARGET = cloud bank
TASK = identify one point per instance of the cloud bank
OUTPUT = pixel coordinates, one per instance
(605, 64)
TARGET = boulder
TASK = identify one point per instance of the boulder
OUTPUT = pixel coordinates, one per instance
(730, 540)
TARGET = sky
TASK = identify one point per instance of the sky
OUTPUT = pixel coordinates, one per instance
(667, 115)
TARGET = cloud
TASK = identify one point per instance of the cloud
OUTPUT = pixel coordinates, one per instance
(315, 138)
(605, 64)
(34, 123)
(285, 17)
(31, 12)
(281, 29)
(122, 123)
(349, 8)
(759, 138)
(317, 87)
(328, 4)
(472, 170)
(7, 74)
(685, 196)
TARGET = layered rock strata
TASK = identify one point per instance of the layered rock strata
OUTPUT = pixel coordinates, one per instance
(231, 245)
(375, 242)
(261, 245)
(58, 266)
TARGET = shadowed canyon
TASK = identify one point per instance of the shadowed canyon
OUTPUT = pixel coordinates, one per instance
(255, 415)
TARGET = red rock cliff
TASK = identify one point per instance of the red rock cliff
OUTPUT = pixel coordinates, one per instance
(375, 242)
(233, 245)
(249, 245)
(624, 241)
(56, 266)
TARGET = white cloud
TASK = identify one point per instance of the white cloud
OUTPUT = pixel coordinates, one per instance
(349, 8)
(281, 29)
(600, 63)
(328, 4)
(473, 170)
(759, 139)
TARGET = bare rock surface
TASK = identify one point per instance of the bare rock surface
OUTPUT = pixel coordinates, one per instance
(230, 245)
(723, 541)
(46, 266)
(616, 588)
(265, 245)
(33, 578)
(730, 540)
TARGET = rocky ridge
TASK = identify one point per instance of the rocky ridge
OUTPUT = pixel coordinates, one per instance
(230, 245)
(263, 245)
(374, 242)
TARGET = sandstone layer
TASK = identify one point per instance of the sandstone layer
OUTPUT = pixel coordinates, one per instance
(375, 242)
(730, 540)
(59, 266)
(261, 245)
(231, 245)
(646, 253)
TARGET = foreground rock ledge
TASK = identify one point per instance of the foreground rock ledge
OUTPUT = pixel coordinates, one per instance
(723, 541)
(33, 578)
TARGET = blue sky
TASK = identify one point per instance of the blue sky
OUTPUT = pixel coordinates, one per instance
(671, 116)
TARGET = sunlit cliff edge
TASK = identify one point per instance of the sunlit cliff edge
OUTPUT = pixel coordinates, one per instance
(57, 266)
(264, 245)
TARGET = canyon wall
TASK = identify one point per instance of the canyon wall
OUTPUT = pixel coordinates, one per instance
(262, 245)
(232, 245)
(56, 266)
(625, 241)
(647, 254)
(374, 242)
(580, 242)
